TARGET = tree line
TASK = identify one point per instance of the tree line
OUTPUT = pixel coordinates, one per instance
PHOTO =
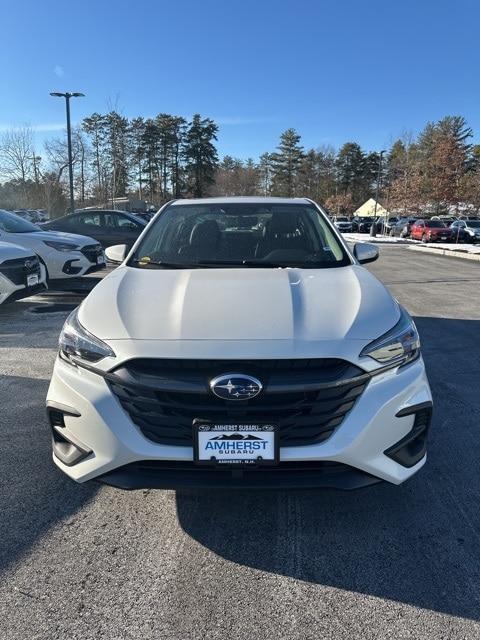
(154, 159)
(431, 172)
(164, 157)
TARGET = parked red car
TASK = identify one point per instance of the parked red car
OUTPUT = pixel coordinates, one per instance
(431, 231)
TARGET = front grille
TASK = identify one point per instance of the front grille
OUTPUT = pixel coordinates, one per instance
(92, 252)
(18, 269)
(308, 399)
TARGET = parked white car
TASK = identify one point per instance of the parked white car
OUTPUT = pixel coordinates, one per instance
(241, 343)
(344, 225)
(21, 273)
(64, 255)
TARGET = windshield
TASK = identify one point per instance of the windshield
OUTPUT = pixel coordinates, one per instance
(473, 223)
(11, 223)
(239, 235)
(342, 220)
(435, 224)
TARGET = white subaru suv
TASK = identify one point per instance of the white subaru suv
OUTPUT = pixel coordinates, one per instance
(240, 344)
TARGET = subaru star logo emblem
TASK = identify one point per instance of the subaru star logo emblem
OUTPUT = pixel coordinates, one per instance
(235, 386)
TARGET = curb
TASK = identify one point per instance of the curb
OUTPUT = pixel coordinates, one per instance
(450, 253)
(401, 241)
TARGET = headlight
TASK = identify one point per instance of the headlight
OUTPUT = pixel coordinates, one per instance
(76, 342)
(61, 246)
(398, 346)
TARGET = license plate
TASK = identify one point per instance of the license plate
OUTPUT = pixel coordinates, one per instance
(235, 444)
(32, 280)
(101, 259)
(443, 238)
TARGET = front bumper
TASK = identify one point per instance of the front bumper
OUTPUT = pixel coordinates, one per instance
(163, 474)
(15, 288)
(115, 450)
(67, 265)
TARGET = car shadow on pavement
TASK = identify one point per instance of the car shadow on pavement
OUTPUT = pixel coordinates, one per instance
(416, 543)
(34, 494)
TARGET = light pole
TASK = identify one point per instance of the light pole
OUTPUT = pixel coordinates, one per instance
(373, 228)
(36, 160)
(67, 97)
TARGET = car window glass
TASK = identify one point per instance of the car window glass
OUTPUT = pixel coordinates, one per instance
(91, 219)
(232, 233)
(11, 223)
(110, 221)
(127, 223)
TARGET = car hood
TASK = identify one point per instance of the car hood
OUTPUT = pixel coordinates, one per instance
(56, 235)
(10, 251)
(239, 305)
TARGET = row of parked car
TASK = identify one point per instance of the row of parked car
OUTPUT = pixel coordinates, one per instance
(32, 215)
(435, 229)
(34, 255)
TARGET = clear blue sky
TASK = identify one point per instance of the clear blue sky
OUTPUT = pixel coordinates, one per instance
(336, 70)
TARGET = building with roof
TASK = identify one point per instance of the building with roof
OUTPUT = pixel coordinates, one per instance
(367, 210)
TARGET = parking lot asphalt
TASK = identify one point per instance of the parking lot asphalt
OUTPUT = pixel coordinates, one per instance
(88, 561)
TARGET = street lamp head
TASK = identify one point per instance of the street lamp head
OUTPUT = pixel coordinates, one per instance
(57, 94)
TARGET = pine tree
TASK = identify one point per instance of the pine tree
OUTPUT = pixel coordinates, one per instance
(286, 163)
(265, 173)
(353, 173)
(136, 151)
(177, 137)
(309, 178)
(200, 154)
(150, 140)
(94, 126)
(116, 150)
(327, 173)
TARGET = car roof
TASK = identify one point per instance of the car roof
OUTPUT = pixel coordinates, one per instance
(100, 211)
(242, 200)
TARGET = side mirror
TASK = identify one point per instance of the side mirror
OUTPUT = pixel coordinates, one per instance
(365, 252)
(116, 253)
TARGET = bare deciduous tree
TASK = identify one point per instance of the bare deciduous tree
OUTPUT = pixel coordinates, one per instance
(16, 154)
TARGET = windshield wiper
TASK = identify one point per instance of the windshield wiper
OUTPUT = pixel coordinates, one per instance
(160, 264)
(145, 264)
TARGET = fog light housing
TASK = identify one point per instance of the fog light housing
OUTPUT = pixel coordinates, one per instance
(66, 447)
(412, 448)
